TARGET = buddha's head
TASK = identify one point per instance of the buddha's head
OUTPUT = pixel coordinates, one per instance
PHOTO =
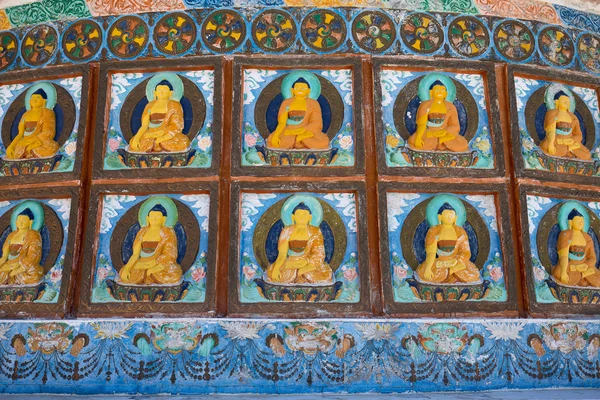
(576, 221)
(447, 214)
(438, 92)
(25, 220)
(38, 99)
(301, 89)
(563, 103)
(157, 216)
(163, 91)
(301, 215)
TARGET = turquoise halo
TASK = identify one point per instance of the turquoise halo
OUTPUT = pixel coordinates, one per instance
(313, 82)
(315, 209)
(37, 210)
(50, 94)
(167, 203)
(551, 92)
(170, 77)
(431, 212)
(428, 80)
(565, 210)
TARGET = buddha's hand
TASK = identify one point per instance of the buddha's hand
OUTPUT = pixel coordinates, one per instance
(564, 277)
(428, 275)
(419, 142)
(568, 141)
(276, 139)
(582, 267)
(126, 272)
(276, 274)
(574, 146)
(155, 134)
(552, 149)
(17, 271)
(135, 143)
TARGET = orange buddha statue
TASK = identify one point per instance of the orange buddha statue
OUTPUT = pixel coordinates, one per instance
(563, 132)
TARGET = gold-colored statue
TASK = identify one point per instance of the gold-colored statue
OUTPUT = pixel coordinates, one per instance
(37, 127)
(154, 258)
(447, 249)
(563, 132)
(300, 119)
(162, 122)
(22, 253)
(301, 252)
(576, 255)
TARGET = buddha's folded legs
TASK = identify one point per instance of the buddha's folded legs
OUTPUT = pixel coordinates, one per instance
(457, 144)
(4, 276)
(46, 150)
(28, 278)
(179, 142)
(581, 153)
(317, 141)
(593, 280)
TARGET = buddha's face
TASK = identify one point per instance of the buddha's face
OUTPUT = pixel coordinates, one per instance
(156, 218)
(302, 217)
(447, 217)
(37, 101)
(439, 92)
(300, 89)
(23, 222)
(563, 103)
(577, 223)
(162, 92)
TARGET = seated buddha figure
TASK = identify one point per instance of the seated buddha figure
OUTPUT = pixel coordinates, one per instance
(301, 252)
(576, 256)
(37, 128)
(563, 132)
(447, 252)
(22, 253)
(438, 126)
(162, 124)
(299, 122)
(154, 258)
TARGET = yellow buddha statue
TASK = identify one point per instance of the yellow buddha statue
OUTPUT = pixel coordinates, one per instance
(438, 126)
(301, 252)
(563, 132)
(300, 119)
(22, 253)
(154, 258)
(162, 123)
(447, 251)
(576, 255)
(37, 128)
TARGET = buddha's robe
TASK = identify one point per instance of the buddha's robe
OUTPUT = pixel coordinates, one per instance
(463, 271)
(582, 269)
(43, 130)
(26, 255)
(564, 131)
(312, 250)
(310, 120)
(442, 131)
(171, 123)
(163, 252)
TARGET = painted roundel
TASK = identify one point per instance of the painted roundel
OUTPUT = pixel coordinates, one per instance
(8, 49)
(39, 45)
(556, 46)
(514, 40)
(223, 31)
(421, 33)
(468, 36)
(174, 33)
(323, 30)
(589, 51)
(274, 30)
(82, 40)
(127, 37)
(373, 31)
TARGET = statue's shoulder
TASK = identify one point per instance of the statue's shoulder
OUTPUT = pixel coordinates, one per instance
(32, 234)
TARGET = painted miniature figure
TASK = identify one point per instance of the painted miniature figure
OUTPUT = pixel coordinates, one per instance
(162, 119)
(22, 249)
(37, 127)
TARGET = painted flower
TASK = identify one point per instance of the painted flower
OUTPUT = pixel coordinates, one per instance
(496, 273)
(504, 330)
(400, 272)
(483, 145)
(175, 337)
(56, 275)
(102, 273)
(49, 337)
(350, 274)
(310, 337)
(113, 144)
(377, 331)
(564, 336)
(237, 330)
(70, 148)
(198, 274)
(250, 140)
(346, 142)
(443, 338)
(249, 272)
(539, 274)
(204, 143)
(4, 328)
(111, 330)
(392, 141)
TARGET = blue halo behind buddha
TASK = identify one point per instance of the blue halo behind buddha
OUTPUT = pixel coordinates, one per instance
(553, 92)
(48, 92)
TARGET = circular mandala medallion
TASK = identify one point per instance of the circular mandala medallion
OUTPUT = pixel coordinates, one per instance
(421, 33)
(514, 40)
(82, 40)
(223, 31)
(274, 30)
(589, 51)
(174, 33)
(39, 45)
(8, 49)
(469, 37)
(556, 46)
(373, 31)
(127, 37)
(323, 30)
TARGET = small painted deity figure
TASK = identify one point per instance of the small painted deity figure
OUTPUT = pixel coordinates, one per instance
(563, 132)
(301, 251)
(576, 255)
(300, 119)
(22, 249)
(162, 119)
(438, 126)
(154, 258)
(447, 246)
(37, 127)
